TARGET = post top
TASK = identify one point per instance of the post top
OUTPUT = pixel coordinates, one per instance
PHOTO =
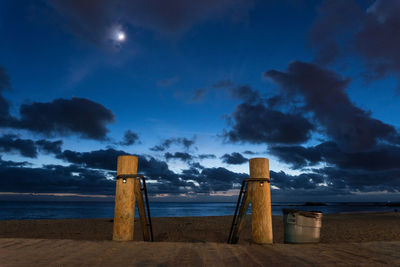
(127, 156)
(256, 159)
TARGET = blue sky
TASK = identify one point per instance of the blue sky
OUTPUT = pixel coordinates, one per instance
(186, 71)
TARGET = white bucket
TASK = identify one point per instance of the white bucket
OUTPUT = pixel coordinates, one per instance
(301, 226)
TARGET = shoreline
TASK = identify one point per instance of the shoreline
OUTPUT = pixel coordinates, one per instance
(208, 216)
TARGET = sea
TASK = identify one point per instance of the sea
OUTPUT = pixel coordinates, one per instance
(27, 210)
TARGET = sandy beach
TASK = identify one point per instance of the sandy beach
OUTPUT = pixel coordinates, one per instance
(366, 239)
(336, 228)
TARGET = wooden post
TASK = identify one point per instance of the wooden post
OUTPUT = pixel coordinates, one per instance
(124, 214)
(260, 197)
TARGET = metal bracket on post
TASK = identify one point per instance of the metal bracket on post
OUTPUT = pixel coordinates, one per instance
(243, 203)
(147, 219)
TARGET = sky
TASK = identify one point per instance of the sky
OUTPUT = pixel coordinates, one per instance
(195, 89)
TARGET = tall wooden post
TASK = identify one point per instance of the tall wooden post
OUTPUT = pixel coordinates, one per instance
(260, 197)
(124, 214)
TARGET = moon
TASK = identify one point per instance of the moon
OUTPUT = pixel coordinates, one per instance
(121, 36)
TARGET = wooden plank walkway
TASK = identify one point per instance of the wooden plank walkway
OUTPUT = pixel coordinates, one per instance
(62, 252)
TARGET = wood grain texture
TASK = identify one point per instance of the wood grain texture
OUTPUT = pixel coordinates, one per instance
(260, 197)
(124, 212)
(46, 252)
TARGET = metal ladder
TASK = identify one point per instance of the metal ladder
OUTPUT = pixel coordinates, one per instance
(242, 202)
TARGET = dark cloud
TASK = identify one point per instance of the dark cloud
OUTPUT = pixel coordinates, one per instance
(4, 104)
(207, 156)
(344, 29)
(64, 117)
(199, 94)
(196, 165)
(10, 143)
(185, 142)
(91, 19)
(27, 147)
(80, 116)
(242, 92)
(53, 179)
(97, 159)
(178, 155)
(167, 181)
(297, 156)
(223, 84)
(235, 158)
(82, 178)
(49, 147)
(168, 82)
(302, 181)
(256, 123)
(9, 163)
(219, 179)
(245, 93)
(361, 180)
(379, 158)
(106, 159)
(248, 152)
(324, 94)
(130, 138)
(335, 17)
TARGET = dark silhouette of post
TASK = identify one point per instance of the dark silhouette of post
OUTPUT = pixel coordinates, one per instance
(260, 198)
(124, 214)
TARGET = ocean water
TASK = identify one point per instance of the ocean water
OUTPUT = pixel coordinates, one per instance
(10, 210)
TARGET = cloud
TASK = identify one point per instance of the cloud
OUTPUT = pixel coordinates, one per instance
(49, 147)
(324, 94)
(53, 178)
(168, 82)
(185, 142)
(242, 92)
(28, 148)
(129, 139)
(223, 84)
(64, 117)
(235, 158)
(178, 155)
(91, 19)
(207, 156)
(25, 147)
(61, 117)
(97, 159)
(106, 159)
(248, 152)
(344, 29)
(166, 180)
(199, 94)
(381, 157)
(4, 104)
(256, 123)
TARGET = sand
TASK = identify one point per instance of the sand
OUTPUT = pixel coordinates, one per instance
(335, 228)
(346, 239)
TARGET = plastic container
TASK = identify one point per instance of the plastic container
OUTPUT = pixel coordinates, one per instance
(301, 226)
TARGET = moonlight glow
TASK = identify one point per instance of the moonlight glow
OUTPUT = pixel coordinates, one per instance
(121, 36)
